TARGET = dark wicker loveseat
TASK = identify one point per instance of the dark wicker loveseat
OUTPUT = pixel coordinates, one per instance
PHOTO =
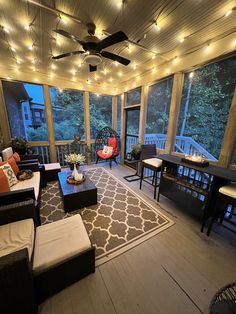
(21, 289)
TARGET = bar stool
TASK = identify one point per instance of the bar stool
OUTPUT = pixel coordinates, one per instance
(150, 162)
(227, 195)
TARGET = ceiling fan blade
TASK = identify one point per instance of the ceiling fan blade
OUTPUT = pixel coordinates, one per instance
(114, 57)
(68, 35)
(111, 40)
(92, 68)
(67, 54)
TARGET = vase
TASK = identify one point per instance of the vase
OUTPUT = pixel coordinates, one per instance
(75, 172)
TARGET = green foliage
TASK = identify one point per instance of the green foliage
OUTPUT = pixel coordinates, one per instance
(210, 99)
(100, 113)
(159, 98)
(68, 114)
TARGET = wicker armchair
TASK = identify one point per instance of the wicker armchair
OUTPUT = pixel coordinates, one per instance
(107, 137)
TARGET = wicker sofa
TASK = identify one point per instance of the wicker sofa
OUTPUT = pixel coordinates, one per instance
(38, 261)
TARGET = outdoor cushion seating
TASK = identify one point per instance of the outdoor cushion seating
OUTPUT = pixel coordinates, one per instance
(16, 236)
(107, 145)
(34, 183)
(62, 254)
(151, 163)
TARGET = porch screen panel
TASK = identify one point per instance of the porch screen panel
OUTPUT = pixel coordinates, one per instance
(25, 110)
(134, 97)
(118, 116)
(68, 113)
(158, 108)
(205, 104)
(100, 113)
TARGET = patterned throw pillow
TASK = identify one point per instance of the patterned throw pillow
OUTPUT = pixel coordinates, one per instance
(107, 150)
(7, 169)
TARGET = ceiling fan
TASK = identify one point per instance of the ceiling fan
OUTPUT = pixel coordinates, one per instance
(93, 47)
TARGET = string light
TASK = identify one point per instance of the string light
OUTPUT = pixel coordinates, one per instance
(135, 66)
(120, 73)
(154, 69)
(157, 27)
(27, 27)
(6, 30)
(176, 60)
(53, 66)
(13, 49)
(110, 79)
(182, 40)
(116, 63)
(191, 74)
(228, 13)
(153, 57)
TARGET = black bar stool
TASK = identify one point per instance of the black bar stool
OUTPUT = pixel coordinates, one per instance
(150, 162)
(226, 197)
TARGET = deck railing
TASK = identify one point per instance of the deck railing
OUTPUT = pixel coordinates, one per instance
(183, 144)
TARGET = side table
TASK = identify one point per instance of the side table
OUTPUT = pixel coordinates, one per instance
(136, 176)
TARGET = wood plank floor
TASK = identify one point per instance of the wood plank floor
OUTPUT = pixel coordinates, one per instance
(176, 271)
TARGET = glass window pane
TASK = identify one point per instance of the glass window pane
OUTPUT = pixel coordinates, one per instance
(68, 113)
(205, 105)
(100, 113)
(134, 97)
(132, 128)
(159, 98)
(26, 112)
(118, 117)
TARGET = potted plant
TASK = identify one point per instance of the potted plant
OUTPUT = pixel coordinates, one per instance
(19, 145)
(136, 151)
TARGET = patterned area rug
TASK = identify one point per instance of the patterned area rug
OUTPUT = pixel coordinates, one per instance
(120, 220)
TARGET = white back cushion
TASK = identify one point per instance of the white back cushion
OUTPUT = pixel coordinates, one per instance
(7, 153)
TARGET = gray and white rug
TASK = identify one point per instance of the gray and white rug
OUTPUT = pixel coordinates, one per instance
(120, 220)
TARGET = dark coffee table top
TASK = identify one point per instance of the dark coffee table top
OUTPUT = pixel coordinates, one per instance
(68, 189)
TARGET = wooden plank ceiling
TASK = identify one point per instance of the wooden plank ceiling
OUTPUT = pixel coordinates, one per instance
(31, 48)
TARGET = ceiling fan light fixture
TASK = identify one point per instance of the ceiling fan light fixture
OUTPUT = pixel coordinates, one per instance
(93, 59)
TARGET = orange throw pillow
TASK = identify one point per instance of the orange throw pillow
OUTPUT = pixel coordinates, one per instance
(4, 185)
(16, 156)
(12, 163)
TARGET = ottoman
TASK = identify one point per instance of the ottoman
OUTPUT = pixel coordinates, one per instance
(50, 171)
(63, 255)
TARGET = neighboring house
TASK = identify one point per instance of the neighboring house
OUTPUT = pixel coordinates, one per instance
(21, 108)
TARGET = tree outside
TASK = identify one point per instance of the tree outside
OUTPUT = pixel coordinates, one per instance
(100, 113)
(205, 104)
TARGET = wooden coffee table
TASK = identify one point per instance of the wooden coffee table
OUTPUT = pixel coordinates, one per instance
(77, 196)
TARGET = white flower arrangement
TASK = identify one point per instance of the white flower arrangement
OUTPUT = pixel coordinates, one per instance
(74, 158)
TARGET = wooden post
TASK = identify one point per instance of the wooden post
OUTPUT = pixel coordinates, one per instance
(227, 148)
(87, 122)
(5, 128)
(143, 114)
(122, 127)
(49, 121)
(114, 113)
(174, 111)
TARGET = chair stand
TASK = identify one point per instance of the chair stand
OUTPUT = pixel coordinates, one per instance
(220, 210)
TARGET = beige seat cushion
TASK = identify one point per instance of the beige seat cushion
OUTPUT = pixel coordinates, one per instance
(229, 190)
(16, 236)
(52, 166)
(58, 241)
(34, 182)
(154, 162)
